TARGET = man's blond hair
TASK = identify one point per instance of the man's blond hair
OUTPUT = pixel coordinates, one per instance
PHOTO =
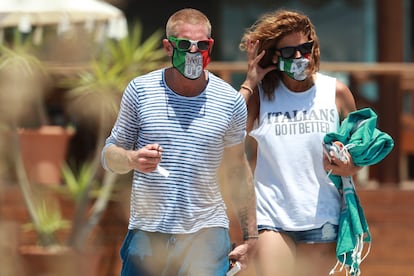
(187, 15)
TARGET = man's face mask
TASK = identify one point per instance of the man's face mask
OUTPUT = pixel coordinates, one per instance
(295, 67)
(190, 64)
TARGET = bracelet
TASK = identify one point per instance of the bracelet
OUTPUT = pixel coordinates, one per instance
(245, 238)
(248, 89)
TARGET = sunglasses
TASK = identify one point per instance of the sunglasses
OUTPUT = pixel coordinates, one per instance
(183, 44)
(290, 51)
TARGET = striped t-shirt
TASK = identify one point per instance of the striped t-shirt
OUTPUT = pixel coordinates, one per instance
(193, 132)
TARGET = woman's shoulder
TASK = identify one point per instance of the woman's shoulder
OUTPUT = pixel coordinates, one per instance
(345, 100)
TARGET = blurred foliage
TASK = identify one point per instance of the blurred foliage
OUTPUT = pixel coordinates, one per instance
(50, 221)
(94, 93)
(92, 97)
(24, 83)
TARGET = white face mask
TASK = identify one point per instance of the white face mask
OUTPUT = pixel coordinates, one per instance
(294, 67)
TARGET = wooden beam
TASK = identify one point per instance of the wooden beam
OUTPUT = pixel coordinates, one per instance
(390, 26)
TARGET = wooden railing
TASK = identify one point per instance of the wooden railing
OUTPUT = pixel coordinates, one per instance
(226, 69)
(398, 124)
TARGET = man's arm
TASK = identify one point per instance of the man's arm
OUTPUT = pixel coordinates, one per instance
(239, 182)
(116, 159)
(120, 160)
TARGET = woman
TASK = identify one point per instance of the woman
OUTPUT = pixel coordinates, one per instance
(291, 106)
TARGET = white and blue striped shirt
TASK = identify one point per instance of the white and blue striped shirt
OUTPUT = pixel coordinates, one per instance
(193, 132)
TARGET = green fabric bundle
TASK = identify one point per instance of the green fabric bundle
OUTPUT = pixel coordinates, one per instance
(367, 145)
(370, 145)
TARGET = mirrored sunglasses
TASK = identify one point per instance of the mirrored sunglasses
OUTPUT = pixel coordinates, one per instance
(290, 51)
(183, 44)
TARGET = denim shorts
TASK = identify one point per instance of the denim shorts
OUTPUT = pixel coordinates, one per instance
(327, 233)
(151, 253)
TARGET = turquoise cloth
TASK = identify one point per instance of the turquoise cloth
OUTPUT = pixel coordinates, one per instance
(367, 145)
(370, 145)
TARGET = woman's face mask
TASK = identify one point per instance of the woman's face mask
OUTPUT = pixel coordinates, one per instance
(294, 67)
(190, 64)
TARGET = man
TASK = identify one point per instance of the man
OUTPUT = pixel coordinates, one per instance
(173, 126)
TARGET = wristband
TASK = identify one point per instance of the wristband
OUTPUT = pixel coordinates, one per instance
(248, 237)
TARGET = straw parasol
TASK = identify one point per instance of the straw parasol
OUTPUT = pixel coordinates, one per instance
(27, 15)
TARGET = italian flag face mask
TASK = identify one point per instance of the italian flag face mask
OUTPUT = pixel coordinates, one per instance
(294, 67)
(190, 64)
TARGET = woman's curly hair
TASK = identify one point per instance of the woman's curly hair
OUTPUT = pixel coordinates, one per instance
(269, 29)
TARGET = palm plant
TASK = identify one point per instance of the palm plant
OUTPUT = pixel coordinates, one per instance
(46, 221)
(24, 82)
(79, 187)
(94, 94)
(49, 221)
(93, 98)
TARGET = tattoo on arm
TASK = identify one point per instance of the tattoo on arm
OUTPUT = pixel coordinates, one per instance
(243, 196)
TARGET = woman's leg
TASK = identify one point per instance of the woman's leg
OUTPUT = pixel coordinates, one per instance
(275, 255)
(315, 259)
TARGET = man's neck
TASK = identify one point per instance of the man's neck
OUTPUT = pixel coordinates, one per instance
(184, 86)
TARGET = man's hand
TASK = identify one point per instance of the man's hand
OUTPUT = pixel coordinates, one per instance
(243, 252)
(146, 158)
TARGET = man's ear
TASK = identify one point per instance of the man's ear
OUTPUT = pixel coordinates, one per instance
(211, 47)
(167, 47)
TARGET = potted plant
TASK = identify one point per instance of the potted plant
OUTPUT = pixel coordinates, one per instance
(93, 96)
(56, 252)
(24, 85)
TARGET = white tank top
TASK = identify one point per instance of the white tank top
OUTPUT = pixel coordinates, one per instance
(292, 188)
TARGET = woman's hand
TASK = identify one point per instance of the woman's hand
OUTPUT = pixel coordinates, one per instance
(255, 72)
(340, 166)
